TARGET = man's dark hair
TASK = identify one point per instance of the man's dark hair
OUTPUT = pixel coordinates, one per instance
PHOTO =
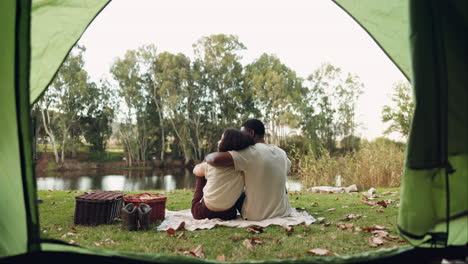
(255, 125)
(234, 139)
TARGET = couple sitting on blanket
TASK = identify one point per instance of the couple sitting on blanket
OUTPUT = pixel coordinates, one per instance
(246, 174)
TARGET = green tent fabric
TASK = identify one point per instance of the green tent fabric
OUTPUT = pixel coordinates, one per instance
(428, 45)
(435, 182)
(18, 218)
(55, 27)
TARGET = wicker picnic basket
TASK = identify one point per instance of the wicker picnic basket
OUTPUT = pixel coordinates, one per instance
(97, 207)
(156, 201)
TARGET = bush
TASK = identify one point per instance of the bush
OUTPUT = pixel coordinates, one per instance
(377, 164)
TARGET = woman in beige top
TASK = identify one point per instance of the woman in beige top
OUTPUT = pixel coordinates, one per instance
(218, 188)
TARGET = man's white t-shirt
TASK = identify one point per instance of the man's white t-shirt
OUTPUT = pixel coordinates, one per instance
(223, 187)
(265, 168)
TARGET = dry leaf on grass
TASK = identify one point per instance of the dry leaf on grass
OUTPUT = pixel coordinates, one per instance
(375, 241)
(342, 226)
(314, 204)
(221, 258)
(333, 237)
(97, 244)
(351, 216)
(331, 209)
(319, 252)
(71, 242)
(247, 244)
(181, 226)
(382, 203)
(255, 229)
(327, 224)
(197, 252)
(170, 232)
(289, 229)
(256, 240)
(344, 206)
(380, 210)
(385, 193)
(300, 208)
(320, 219)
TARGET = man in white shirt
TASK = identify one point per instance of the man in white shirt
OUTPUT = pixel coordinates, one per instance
(265, 167)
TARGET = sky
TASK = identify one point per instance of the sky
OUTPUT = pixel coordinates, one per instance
(303, 34)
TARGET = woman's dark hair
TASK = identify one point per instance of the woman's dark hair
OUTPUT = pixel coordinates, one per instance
(234, 139)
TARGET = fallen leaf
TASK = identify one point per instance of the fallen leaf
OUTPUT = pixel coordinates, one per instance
(327, 224)
(319, 252)
(342, 226)
(389, 201)
(180, 235)
(289, 229)
(181, 226)
(344, 206)
(372, 228)
(320, 219)
(71, 242)
(73, 229)
(221, 258)
(197, 252)
(256, 240)
(314, 204)
(171, 232)
(53, 203)
(255, 229)
(97, 244)
(372, 203)
(59, 229)
(278, 241)
(333, 237)
(351, 216)
(300, 208)
(331, 209)
(384, 193)
(375, 241)
(380, 210)
(382, 203)
(247, 244)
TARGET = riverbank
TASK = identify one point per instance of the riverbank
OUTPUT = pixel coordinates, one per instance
(339, 232)
(45, 161)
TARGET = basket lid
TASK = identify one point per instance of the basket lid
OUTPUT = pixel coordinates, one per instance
(143, 197)
(100, 196)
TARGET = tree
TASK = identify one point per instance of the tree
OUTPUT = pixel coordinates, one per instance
(96, 124)
(329, 109)
(64, 103)
(218, 60)
(277, 90)
(401, 114)
(134, 132)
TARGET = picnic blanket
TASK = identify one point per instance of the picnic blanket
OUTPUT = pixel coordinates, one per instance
(175, 219)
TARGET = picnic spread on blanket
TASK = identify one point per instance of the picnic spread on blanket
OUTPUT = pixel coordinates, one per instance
(137, 211)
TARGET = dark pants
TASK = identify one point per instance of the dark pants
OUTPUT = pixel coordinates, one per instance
(199, 209)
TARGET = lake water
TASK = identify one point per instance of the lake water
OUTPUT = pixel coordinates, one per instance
(125, 180)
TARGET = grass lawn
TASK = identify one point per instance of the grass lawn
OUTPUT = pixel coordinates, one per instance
(56, 219)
